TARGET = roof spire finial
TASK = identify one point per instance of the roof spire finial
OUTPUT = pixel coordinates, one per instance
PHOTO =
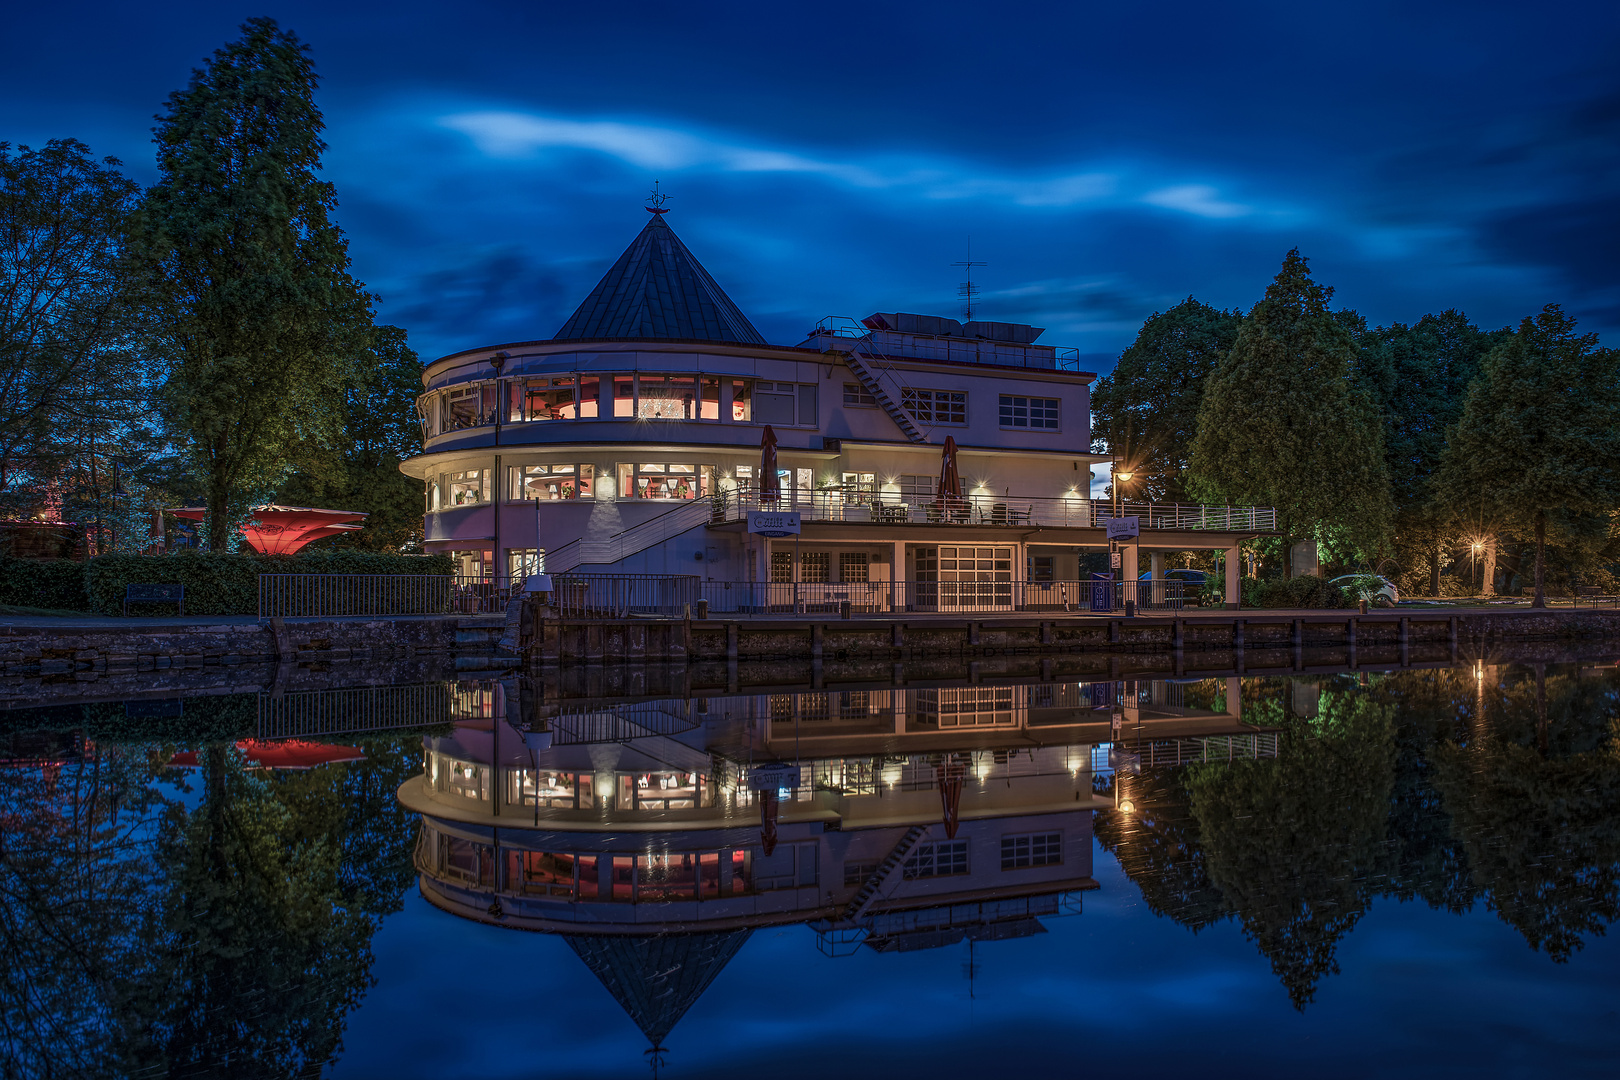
(656, 201)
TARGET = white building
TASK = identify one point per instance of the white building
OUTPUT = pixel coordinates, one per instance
(630, 442)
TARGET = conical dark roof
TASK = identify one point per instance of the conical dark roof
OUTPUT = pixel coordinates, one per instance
(658, 290)
(657, 977)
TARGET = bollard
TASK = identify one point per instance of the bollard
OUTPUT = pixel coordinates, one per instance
(843, 609)
(703, 609)
(1130, 608)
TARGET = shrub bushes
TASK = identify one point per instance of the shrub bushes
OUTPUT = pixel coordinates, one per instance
(43, 583)
(228, 584)
(1299, 592)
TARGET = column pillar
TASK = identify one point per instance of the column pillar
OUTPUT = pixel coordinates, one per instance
(1233, 566)
(1128, 559)
(1156, 564)
(899, 595)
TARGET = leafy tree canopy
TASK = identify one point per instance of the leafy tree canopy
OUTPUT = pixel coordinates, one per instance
(1538, 445)
(1145, 412)
(257, 318)
(1284, 423)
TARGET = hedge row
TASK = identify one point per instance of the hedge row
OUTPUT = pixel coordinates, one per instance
(216, 584)
(43, 583)
(1299, 592)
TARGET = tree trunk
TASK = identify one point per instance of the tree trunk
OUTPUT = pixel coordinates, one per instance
(1434, 571)
(1488, 582)
(1541, 559)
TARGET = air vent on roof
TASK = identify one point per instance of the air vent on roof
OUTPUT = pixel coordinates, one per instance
(1020, 333)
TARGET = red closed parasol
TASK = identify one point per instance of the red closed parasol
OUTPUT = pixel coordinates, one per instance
(949, 495)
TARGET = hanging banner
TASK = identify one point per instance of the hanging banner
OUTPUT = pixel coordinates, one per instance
(773, 523)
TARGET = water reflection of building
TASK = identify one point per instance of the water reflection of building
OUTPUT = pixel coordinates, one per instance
(655, 836)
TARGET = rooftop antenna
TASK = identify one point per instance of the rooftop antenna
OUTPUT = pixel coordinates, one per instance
(656, 201)
(968, 291)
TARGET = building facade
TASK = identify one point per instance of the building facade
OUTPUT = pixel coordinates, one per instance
(631, 442)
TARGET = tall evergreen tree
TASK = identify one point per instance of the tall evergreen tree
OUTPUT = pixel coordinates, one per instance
(1538, 444)
(258, 317)
(1145, 412)
(1284, 422)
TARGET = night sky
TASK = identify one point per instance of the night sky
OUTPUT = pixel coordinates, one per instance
(1106, 161)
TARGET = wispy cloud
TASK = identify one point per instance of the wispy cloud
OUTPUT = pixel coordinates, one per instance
(516, 135)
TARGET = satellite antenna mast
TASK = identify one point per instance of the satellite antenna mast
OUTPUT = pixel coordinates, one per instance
(968, 291)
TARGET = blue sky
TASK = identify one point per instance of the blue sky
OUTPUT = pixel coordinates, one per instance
(836, 158)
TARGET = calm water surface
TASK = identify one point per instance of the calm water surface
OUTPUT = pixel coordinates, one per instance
(1338, 875)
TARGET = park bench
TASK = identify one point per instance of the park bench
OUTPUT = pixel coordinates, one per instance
(1594, 595)
(156, 594)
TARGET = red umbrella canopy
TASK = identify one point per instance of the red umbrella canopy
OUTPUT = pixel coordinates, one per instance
(282, 530)
(950, 482)
(770, 487)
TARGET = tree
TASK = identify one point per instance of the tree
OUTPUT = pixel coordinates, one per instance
(67, 377)
(1145, 412)
(1538, 444)
(1284, 422)
(1419, 376)
(257, 318)
(380, 429)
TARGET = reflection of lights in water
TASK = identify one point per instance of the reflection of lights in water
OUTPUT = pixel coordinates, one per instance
(1128, 807)
(890, 774)
(1479, 670)
(982, 761)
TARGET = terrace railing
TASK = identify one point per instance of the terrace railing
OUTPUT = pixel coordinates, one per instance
(303, 596)
(621, 596)
(836, 504)
(791, 598)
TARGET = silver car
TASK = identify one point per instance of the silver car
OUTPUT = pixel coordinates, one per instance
(1375, 590)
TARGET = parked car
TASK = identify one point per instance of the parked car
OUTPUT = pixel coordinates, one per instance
(1193, 584)
(1377, 591)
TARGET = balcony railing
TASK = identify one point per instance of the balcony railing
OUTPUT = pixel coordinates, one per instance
(942, 597)
(305, 596)
(836, 504)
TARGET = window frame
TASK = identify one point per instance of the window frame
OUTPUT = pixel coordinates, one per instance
(1008, 412)
(928, 412)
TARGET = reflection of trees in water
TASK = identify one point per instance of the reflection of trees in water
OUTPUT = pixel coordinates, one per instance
(227, 938)
(1421, 785)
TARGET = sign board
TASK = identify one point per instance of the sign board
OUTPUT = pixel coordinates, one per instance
(1123, 528)
(773, 776)
(1114, 558)
(773, 523)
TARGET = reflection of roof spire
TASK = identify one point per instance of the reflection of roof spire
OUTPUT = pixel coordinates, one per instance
(656, 978)
(656, 201)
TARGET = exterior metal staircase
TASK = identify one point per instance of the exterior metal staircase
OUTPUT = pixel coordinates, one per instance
(874, 881)
(869, 367)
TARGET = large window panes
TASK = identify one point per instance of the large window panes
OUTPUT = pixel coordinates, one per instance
(469, 406)
(935, 406)
(549, 483)
(710, 391)
(667, 397)
(665, 480)
(785, 403)
(521, 563)
(466, 488)
(551, 398)
(624, 396)
(427, 407)
(742, 400)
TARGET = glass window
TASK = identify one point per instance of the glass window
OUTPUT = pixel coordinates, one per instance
(468, 487)
(936, 860)
(465, 407)
(853, 566)
(808, 405)
(742, 399)
(522, 562)
(781, 566)
(474, 564)
(549, 483)
(433, 495)
(667, 397)
(916, 490)
(711, 398)
(624, 396)
(815, 566)
(1029, 412)
(549, 399)
(773, 406)
(1036, 849)
(859, 396)
(935, 406)
(859, 487)
(665, 480)
(427, 407)
(590, 396)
